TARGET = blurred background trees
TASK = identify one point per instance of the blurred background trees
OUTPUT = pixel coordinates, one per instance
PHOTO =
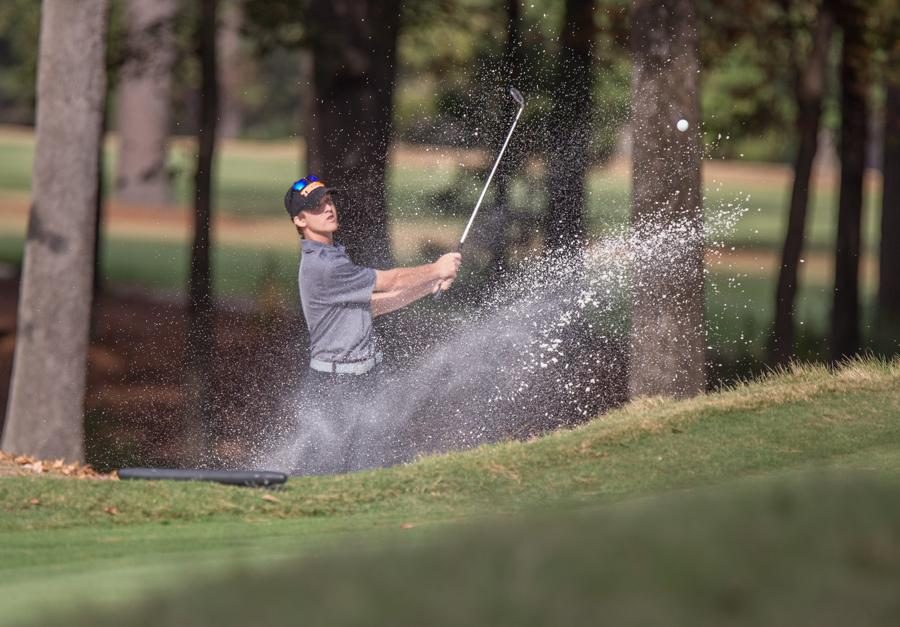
(809, 85)
(144, 102)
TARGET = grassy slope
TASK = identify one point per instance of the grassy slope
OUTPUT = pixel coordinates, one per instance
(823, 550)
(808, 419)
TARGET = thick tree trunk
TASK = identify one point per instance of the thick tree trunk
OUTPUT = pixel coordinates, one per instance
(810, 91)
(201, 320)
(570, 125)
(854, 133)
(45, 414)
(349, 131)
(98, 211)
(144, 103)
(667, 347)
(889, 258)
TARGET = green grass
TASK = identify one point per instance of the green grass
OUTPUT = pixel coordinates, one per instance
(818, 551)
(238, 271)
(165, 536)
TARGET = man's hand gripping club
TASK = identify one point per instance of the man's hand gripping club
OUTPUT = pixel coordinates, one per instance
(401, 286)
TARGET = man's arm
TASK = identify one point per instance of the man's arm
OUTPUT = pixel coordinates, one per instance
(401, 286)
(402, 279)
(386, 302)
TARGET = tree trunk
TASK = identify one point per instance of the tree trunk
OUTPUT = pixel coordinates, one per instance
(809, 91)
(201, 322)
(45, 414)
(570, 125)
(231, 70)
(98, 211)
(145, 103)
(889, 257)
(667, 334)
(511, 70)
(349, 130)
(854, 133)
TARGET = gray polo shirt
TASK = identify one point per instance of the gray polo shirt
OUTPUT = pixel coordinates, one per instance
(336, 296)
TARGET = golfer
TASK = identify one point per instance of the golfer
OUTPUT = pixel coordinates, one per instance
(339, 301)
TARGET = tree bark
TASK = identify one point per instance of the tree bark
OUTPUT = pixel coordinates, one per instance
(854, 133)
(810, 90)
(45, 414)
(201, 321)
(349, 130)
(98, 211)
(667, 333)
(570, 126)
(145, 102)
(888, 319)
(231, 70)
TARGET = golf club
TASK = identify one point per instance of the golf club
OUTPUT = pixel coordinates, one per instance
(520, 100)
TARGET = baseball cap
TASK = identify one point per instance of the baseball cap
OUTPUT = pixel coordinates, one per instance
(305, 194)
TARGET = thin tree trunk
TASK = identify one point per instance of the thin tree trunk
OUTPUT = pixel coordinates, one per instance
(889, 257)
(810, 91)
(511, 71)
(145, 102)
(98, 282)
(307, 109)
(854, 133)
(201, 322)
(570, 125)
(349, 131)
(667, 334)
(46, 404)
(231, 69)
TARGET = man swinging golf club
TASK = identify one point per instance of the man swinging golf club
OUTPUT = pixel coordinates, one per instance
(339, 300)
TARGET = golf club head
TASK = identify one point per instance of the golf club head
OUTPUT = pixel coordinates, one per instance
(517, 96)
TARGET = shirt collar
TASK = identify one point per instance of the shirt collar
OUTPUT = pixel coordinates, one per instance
(310, 246)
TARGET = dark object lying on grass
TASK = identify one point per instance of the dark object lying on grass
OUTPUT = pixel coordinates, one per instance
(229, 477)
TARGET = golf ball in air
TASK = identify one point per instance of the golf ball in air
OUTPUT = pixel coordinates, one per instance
(682, 125)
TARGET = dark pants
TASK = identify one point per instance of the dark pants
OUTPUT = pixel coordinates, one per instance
(340, 401)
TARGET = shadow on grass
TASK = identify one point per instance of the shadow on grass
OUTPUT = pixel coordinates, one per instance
(814, 550)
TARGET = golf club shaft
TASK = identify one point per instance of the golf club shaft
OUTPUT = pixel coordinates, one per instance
(462, 240)
(491, 176)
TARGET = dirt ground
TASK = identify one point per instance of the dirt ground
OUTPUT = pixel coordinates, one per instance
(136, 393)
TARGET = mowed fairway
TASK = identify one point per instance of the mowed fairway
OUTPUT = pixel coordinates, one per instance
(771, 503)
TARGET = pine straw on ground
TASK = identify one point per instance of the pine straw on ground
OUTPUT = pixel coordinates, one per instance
(25, 465)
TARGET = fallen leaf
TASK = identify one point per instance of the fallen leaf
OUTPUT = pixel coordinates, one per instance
(55, 466)
(407, 525)
(270, 498)
(111, 510)
(35, 501)
(36, 467)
